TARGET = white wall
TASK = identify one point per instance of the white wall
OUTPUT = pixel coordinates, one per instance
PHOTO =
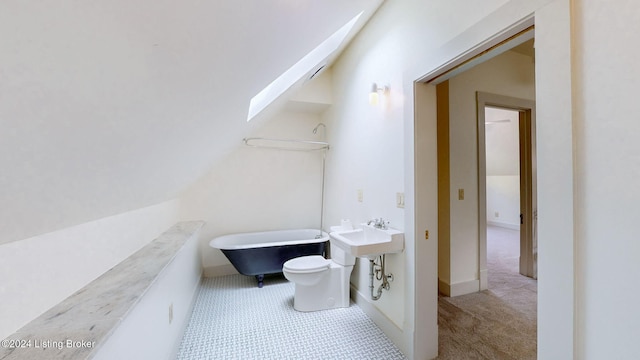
(255, 189)
(41, 271)
(368, 143)
(366, 154)
(607, 78)
(510, 74)
(503, 201)
(502, 141)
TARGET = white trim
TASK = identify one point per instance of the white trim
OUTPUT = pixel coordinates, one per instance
(557, 331)
(421, 214)
(387, 326)
(462, 63)
(461, 288)
(464, 288)
(444, 288)
(484, 279)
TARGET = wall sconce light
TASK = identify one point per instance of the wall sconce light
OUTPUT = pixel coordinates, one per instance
(376, 91)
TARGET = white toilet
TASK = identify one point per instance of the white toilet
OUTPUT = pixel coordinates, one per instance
(320, 283)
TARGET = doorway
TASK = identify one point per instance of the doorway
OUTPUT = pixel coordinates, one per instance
(462, 214)
(506, 176)
(503, 190)
(556, 305)
(464, 185)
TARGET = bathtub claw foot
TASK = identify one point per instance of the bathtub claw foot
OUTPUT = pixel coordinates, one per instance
(260, 279)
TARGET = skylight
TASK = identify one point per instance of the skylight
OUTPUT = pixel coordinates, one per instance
(299, 69)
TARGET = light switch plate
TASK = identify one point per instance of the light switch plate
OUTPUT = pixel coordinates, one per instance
(400, 200)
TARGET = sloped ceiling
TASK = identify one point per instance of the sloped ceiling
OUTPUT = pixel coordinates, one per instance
(109, 106)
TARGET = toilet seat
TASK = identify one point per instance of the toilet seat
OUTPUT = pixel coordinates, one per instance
(306, 264)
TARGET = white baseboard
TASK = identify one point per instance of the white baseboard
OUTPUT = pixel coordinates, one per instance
(457, 289)
(464, 288)
(393, 332)
(220, 270)
(484, 279)
(504, 225)
(444, 288)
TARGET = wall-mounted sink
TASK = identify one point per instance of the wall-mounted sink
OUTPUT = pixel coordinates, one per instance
(369, 241)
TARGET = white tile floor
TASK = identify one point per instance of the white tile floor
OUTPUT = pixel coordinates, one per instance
(234, 319)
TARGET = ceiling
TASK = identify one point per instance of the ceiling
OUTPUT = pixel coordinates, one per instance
(108, 106)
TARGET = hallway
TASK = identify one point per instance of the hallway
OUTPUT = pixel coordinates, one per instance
(498, 323)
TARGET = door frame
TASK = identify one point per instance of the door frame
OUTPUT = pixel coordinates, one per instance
(557, 308)
(528, 243)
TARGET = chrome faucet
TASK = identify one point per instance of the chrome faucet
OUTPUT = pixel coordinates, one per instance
(378, 223)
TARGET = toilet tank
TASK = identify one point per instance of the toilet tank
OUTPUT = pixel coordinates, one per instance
(341, 257)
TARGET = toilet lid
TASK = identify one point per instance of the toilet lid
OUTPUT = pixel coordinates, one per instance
(306, 264)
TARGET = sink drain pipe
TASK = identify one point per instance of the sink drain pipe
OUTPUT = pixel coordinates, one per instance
(378, 270)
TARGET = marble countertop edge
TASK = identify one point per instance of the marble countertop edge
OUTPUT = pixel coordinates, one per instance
(94, 312)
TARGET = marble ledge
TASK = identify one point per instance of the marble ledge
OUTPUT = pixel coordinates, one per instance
(79, 325)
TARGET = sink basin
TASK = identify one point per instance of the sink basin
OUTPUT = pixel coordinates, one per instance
(368, 242)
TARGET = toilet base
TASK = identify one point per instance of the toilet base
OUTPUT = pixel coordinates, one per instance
(329, 293)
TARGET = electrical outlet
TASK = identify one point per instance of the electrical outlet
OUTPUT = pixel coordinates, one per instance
(170, 313)
(400, 200)
(496, 214)
(460, 194)
(360, 195)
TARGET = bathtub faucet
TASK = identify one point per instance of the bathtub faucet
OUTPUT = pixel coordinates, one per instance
(378, 223)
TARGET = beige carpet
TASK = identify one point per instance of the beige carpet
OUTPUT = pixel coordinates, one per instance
(498, 323)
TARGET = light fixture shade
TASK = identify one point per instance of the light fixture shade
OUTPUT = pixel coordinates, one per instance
(374, 98)
(376, 91)
(374, 95)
